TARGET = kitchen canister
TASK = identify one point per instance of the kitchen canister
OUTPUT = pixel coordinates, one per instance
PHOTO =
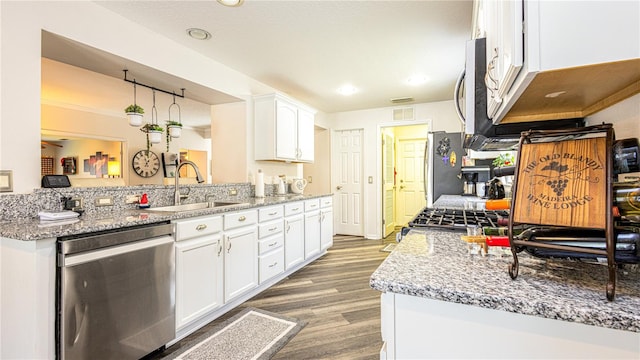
(260, 184)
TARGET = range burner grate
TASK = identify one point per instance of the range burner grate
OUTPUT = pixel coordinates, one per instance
(458, 219)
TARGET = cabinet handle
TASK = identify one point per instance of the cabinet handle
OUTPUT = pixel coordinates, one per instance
(273, 213)
(288, 227)
(295, 209)
(274, 264)
(273, 244)
(219, 248)
(201, 227)
(273, 228)
(228, 246)
(242, 218)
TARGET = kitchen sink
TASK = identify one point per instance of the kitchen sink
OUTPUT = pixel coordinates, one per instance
(195, 206)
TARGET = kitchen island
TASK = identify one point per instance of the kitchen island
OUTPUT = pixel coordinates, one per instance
(438, 301)
(28, 262)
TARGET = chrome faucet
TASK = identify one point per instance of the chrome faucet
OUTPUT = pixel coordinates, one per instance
(199, 178)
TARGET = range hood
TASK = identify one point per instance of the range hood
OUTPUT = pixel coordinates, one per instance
(480, 132)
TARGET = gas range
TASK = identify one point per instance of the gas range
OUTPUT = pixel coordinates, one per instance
(458, 219)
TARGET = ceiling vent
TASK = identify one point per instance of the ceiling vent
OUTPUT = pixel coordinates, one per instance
(406, 113)
(401, 100)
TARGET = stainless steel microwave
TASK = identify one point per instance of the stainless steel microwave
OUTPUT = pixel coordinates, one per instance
(480, 134)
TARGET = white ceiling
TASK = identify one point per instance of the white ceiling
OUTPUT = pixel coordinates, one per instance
(308, 49)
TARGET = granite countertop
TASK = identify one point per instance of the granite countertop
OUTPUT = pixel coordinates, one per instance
(437, 265)
(33, 229)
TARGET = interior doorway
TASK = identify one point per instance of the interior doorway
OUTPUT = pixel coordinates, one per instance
(403, 180)
(348, 154)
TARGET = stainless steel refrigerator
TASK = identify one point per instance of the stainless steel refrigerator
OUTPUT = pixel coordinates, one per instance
(443, 162)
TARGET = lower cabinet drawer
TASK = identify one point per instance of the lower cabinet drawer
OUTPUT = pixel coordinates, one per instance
(271, 264)
(270, 228)
(187, 229)
(270, 243)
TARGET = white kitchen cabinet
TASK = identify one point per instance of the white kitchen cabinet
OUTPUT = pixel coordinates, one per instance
(326, 224)
(293, 234)
(306, 135)
(240, 253)
(271, 242)
(199, 268)
(311, 228)
(414, 327)
(505, 48)
(577, 57)
(284, 129)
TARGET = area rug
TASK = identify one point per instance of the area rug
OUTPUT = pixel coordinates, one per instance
(389, 247)
(250, 334)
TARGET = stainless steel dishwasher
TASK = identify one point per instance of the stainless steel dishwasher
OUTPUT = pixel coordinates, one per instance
(115, 293)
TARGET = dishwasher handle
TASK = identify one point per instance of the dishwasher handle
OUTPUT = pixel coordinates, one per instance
(76, 259)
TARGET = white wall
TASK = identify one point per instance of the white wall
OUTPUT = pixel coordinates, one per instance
(443, 117)
(20, 68)
(625, 117)
(319, 172)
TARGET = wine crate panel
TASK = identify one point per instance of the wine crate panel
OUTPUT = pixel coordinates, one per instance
(562, 183)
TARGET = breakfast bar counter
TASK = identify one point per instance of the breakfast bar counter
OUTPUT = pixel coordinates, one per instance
(440, 301)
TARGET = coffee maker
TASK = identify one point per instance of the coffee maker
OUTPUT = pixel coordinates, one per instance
(470, 180)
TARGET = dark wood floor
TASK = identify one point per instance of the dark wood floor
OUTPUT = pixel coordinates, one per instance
(333, 296)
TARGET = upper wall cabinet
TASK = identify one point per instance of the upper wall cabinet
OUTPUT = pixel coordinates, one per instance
(505, 49)
(283, 129)
(558, 59)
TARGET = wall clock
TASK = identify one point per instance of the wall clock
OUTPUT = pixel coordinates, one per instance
(145, 163)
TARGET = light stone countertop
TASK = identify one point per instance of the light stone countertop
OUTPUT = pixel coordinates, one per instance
(32, 229)
(436, 264)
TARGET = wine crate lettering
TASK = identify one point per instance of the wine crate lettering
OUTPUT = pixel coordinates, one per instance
(562, 183)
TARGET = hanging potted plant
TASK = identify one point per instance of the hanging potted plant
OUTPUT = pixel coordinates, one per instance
(174, 128)
(154, 134)
(134, 113)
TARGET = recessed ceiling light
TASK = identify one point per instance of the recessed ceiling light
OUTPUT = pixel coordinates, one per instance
(231, 3)
(347, 90)
(417, 79)
(199, 34)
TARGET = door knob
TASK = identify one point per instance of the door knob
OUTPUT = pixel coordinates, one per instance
(339, 187)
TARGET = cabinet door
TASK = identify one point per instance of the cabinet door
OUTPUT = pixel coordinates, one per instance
(240, 261)
(293, 240)
(311, 234)
(305, 135)
(326, 229)
(198, 278)
(505, 49)
(286, 130)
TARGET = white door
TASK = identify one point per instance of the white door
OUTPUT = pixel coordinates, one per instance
(286, 130)
(410, 189)
(348, 182)
(198, 277)
(311, 234)
(388, 184)
(240, 262)
(293, 240)
(326, 228)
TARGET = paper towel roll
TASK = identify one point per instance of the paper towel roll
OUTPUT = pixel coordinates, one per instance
(260, 184)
